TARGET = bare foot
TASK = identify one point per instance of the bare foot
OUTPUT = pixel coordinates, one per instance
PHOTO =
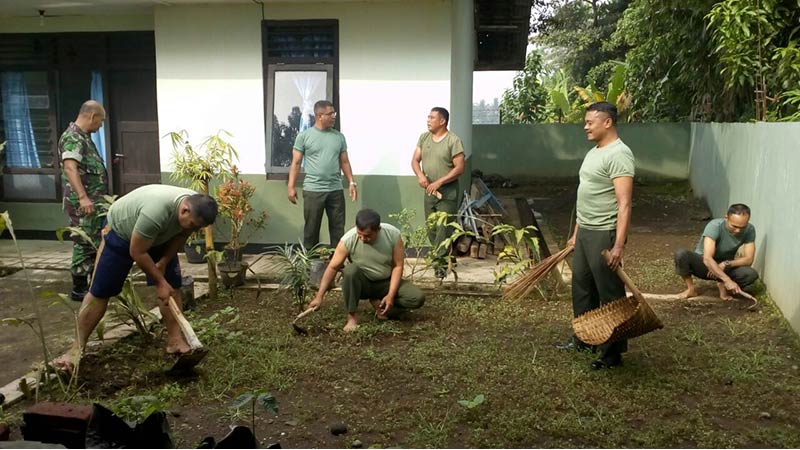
(723, 293)
(689, 293)
(66, 362)
(350, 326)
(177, 346)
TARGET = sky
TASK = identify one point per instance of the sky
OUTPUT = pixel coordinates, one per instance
(488, 85)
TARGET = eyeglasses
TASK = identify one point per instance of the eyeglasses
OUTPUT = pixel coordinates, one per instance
(332, 114)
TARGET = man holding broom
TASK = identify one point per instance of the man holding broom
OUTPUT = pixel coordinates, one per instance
(603, 216)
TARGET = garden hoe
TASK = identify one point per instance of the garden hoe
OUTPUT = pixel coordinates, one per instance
(752, 307)
(297, 328)
(196, 351)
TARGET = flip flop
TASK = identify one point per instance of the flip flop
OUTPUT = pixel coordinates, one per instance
(186, 361)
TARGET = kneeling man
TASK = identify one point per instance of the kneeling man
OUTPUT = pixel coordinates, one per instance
(146, 226)
(376, 254)
(715, 256)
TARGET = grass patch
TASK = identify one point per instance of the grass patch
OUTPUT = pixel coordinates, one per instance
(700, 382)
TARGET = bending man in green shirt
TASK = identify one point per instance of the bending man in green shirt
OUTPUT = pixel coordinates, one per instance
(377, 255)
(715, 256)
(146, 226)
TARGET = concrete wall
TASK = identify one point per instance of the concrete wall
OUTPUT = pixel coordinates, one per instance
(757, 164)
(394, 65)
(529, 152)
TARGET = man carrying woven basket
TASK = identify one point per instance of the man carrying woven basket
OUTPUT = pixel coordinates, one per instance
(603, 216)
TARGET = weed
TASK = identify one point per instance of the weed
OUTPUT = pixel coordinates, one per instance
(138, 407)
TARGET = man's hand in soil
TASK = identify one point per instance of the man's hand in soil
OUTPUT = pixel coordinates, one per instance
(385, 306)
(732, 287)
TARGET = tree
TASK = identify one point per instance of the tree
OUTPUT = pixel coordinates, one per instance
(526, 101)
(758, 52)
(573, 35)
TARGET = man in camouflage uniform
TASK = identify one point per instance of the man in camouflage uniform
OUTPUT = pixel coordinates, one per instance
(85, 182)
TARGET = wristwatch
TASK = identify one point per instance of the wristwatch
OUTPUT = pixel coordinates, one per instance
(353, 183)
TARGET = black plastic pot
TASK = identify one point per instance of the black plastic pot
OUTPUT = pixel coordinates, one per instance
(232, 274)
(195, 252)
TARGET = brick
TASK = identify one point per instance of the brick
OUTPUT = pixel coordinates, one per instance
(58, 423)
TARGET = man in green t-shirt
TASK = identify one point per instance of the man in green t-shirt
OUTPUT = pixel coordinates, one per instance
(438, 161)
(146, 226)
(715, 257)
(377, 256)
(84, 182)
(603, 216)
(323, 151)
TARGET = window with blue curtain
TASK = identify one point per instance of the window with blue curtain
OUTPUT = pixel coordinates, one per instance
(96, 94)
(21, 150)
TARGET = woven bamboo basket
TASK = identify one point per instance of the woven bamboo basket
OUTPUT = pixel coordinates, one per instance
(625, 318)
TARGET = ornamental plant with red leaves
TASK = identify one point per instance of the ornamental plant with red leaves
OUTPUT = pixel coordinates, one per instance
(234, 198)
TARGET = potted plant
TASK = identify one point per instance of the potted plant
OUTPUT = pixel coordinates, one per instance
(197, 169)
(234, 197)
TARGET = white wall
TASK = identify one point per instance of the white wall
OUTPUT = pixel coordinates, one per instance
(394, 65)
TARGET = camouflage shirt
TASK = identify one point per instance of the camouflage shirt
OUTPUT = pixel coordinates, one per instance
(77, 144)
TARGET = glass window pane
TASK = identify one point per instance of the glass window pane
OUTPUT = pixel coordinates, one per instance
(19, 186)
(25, 120)
(294, 94)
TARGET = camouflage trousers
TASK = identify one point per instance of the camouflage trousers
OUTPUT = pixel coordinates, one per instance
(83, 253)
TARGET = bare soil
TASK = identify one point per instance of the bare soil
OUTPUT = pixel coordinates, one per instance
(715, 376)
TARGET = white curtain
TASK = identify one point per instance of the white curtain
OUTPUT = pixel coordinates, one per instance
(307, 84)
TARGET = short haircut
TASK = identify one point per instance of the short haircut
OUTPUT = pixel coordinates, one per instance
(321, 106)
(203, 207)
(443, 113)
(91, 107)
(368, 219)
(739, 209)
(605, 107)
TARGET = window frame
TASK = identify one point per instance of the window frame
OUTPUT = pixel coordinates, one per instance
(272, 64)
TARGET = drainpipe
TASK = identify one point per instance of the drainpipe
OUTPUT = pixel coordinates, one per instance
(462, 63)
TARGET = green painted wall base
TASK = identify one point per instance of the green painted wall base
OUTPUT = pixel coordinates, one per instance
(532, 152)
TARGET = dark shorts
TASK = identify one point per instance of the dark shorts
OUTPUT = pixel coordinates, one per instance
(114, 262)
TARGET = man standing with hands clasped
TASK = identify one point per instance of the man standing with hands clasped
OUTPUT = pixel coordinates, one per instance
(438, 162)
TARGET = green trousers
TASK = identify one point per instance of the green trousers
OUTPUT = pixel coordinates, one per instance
(356, 286)
(314, 204)
(83, 253)
(593, 282)
(449, 204)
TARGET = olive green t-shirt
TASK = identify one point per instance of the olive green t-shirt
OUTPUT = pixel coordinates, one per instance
(151, 211)
(321, 150)
(597, 201)
(374, 258)
(727, 244)
(437, 157)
